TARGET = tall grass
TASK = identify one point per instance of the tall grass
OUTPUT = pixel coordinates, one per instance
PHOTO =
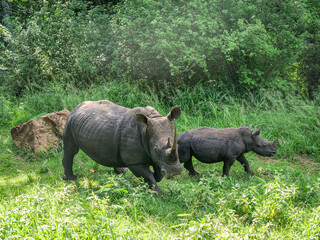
(292, 121)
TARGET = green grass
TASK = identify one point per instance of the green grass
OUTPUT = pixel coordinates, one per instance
(281, 201)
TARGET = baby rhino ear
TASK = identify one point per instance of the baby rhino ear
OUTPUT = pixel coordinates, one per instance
(256, 132)
(174, 113)
(141, 118)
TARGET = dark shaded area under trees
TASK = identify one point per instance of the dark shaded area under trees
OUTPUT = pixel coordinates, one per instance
(244, 44)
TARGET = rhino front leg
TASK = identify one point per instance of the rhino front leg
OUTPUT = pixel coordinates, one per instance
(226, 166)
(189, 166)
(186, 158)
(157, 173)
(141, 170)
(242, 159)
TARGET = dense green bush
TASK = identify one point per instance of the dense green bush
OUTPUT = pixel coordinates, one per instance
(4, 53)
(63, 42)
(243, 44)
(231, 42)
(310, 68)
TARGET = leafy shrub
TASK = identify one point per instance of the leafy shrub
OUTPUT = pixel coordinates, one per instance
(229, 42)
(157, 44)
(67, 42)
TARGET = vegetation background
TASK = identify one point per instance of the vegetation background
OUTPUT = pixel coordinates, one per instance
(226, 62)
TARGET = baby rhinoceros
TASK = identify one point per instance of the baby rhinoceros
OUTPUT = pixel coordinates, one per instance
(210, 145)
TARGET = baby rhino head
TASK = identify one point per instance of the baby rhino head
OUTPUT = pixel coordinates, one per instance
(260, 145)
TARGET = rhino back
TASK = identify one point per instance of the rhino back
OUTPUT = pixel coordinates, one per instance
(213, 145)
(95, 127)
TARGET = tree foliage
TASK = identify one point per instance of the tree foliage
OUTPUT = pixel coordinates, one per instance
(239, 42)
(248, 44)
(65, 42)
(310, 67)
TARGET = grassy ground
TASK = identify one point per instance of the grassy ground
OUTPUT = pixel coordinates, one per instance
(280, 201)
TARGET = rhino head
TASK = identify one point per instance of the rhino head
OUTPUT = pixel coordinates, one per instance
(162, 141)
(260, 145)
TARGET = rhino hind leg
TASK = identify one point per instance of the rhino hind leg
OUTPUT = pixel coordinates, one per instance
(120, 170)
(70, 149)
(227, 165)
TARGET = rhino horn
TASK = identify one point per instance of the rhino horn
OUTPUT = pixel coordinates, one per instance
(175, 144)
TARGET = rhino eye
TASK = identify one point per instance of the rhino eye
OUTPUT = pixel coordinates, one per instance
(156, 147)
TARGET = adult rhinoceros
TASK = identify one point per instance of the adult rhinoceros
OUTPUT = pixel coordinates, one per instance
(119, 137)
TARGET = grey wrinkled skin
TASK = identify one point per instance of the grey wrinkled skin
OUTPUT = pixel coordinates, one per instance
(210, 145)
(119, 137)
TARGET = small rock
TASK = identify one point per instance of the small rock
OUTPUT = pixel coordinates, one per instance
(41, 133)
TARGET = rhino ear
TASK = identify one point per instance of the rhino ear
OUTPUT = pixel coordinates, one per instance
(256, 132)
(175, 113)
(141, 118)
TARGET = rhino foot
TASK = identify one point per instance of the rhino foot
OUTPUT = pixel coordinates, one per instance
(250, 172)
(156, 190)
(120, 170)
(192, 174)
(71, 178)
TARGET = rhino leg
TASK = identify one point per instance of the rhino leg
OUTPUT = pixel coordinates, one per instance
(189, 166)
(226, 166)
(141, 170)
(120, 170)
(157, 173)
(242, 159)
(70, 149)
(185, 157)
